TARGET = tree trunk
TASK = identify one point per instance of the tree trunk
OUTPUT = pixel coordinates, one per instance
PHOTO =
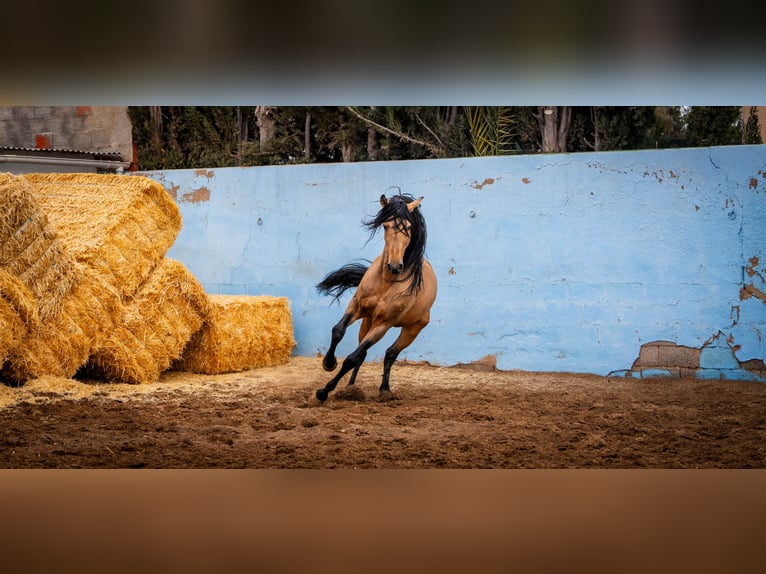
(347, 151)
(565, 118)
(156, 115)
(307, 137)
(596, 129)
(554, 126)
(241, 135)
(372, 144)
(267, 125)
(549, 121)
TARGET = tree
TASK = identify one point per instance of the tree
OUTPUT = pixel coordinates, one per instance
(492, 130)
(752, 132)
(554, 122)
(170, 137)
(714, 125)
(599, 128)
(667, 129)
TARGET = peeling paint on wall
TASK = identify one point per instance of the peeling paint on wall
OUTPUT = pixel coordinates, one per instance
(715, 359)
(196, 196)
(487, 181)
(750, 290)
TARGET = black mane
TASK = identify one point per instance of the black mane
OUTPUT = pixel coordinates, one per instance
(396, 210)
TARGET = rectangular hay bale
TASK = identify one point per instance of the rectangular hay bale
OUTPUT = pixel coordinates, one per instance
(121, 225)
(241, 332)
(18, 312)
(154, 327)
(60, 345)
(30, 249)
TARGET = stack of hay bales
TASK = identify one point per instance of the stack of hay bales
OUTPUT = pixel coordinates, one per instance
(84, 283)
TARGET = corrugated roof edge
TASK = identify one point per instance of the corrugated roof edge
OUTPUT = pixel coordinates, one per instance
(105, 155)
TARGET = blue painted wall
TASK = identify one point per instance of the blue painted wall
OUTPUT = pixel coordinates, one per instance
(565, 262)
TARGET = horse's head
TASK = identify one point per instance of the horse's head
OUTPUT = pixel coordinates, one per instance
(396, 217)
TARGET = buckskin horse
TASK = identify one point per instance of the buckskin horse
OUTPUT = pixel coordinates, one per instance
(396, 290)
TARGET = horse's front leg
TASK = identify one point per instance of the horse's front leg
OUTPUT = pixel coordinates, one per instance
(330, 362)
(353, 361)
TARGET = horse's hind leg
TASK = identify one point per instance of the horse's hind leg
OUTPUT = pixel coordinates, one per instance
(404, 340)
(363, 330)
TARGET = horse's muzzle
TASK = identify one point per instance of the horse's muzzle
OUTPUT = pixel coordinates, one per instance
(395, 268)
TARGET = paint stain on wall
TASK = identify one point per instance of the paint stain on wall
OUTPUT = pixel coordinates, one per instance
(487, 181)
(753, 183)
(750, 290)
(208, 173)
(525, 179)
(196, 196)
(173, 191)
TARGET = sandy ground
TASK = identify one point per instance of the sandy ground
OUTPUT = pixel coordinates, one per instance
(457, 417)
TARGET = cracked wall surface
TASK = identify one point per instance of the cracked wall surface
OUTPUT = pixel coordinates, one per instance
(557, 262)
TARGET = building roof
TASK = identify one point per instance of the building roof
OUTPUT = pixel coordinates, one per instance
(61, 153)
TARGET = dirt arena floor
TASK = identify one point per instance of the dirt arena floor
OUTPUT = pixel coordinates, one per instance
(457, 417)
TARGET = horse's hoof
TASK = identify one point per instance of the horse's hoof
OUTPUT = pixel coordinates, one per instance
(351, 393)
(321, 394)
(314, 402)
(329, 365)
(384, 396)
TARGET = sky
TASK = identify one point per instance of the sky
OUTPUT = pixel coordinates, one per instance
(529, 52)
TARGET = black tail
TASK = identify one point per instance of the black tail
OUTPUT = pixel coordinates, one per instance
(337, 282)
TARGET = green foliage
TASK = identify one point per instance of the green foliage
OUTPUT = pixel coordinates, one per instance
(752, 133)
(611, 128)
(170, 137)
(173, 137)
(714, 125)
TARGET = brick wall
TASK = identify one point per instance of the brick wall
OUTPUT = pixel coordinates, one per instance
(88, 128)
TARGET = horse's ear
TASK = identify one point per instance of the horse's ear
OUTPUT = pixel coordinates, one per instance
(413, 204)
(383, 200)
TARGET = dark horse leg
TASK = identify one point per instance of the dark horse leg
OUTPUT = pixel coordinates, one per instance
(363, 330)
(330, 362)
(404, 340)
(354, 360)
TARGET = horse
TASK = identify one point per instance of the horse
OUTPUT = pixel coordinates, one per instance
(396, 290)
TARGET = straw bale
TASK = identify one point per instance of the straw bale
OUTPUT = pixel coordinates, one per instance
(17, 306)
(118, 224)
(62, 344)
(154, 327)
(241, 332)
(18, 310)
(30, 248)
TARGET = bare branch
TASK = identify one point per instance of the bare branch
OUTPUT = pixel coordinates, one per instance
(432, 147)
(430, 131)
